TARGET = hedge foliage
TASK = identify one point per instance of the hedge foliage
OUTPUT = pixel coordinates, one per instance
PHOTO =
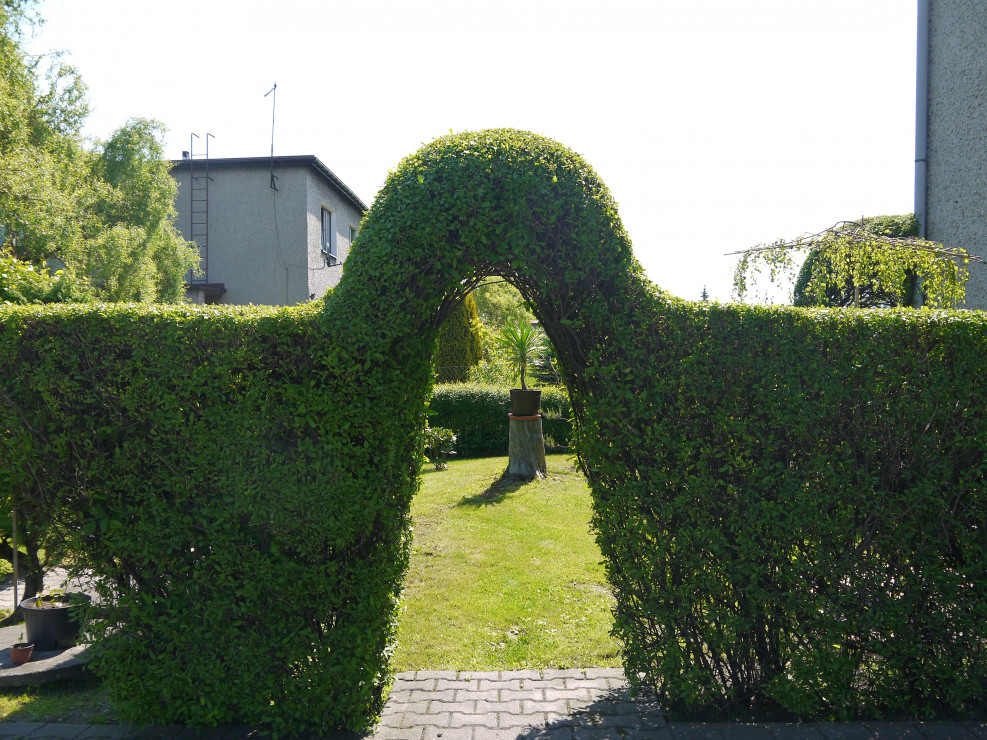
(227, 484)
(478, 416)
(791, 503)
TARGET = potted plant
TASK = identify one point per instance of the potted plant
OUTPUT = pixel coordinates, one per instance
(522, 344)
(20, 652)
(52, 620)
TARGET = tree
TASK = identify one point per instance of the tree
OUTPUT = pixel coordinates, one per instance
(874, 262)
(460, 343)
(104, 217)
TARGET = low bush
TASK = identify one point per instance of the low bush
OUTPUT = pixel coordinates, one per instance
(478, 415)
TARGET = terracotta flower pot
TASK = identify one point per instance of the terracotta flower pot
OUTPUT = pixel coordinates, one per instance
(20, 652)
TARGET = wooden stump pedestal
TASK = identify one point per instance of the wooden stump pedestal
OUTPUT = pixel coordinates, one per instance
(526, 448)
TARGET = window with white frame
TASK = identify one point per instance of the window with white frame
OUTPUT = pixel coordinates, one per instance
(328, 238)
(352, 234)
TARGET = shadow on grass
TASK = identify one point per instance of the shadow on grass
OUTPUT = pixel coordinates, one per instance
(496, 491)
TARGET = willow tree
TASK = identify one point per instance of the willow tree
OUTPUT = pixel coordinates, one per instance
(877, 262)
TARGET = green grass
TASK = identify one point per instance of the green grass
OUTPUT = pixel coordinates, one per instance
(77, 701)
(502, 576)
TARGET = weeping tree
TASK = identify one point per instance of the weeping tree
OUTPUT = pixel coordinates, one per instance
(877, 262)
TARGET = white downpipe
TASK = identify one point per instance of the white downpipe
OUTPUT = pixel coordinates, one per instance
(922, 118)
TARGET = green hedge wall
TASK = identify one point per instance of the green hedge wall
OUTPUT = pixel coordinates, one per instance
(478, 416)
(253, 560)
(791, 503)
(792, 514)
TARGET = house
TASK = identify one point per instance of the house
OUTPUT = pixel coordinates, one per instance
(951, 131)
(270, 230)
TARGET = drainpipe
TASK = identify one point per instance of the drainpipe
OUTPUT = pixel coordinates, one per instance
(922, 118)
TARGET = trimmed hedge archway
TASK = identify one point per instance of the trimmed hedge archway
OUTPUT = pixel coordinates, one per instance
(763, 479)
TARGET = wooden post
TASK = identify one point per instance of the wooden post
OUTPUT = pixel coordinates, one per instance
(526, 448)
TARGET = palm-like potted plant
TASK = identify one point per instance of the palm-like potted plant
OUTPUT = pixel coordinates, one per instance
(523, 344)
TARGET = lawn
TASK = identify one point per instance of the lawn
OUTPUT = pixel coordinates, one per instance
(502, 576)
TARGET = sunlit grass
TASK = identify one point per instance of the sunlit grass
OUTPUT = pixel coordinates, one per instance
(504, 576)
(79, 701)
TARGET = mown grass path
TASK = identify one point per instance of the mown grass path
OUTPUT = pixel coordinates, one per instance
(504, 577)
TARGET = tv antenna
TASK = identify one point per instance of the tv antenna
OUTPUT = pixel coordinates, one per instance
(273, 92)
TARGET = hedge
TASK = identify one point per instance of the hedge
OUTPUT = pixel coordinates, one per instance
(478, 416)
(790, 502)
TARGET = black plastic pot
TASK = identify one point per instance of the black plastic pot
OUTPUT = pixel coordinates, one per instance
(51, 628)
(525, 402)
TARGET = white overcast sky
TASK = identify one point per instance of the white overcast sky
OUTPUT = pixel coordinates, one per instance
(717, 124)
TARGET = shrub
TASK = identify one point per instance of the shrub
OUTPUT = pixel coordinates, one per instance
(460, 345)
(439, 445)
(478, 415)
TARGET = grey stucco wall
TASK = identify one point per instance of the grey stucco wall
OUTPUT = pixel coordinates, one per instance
(956, 188)
(321, 195)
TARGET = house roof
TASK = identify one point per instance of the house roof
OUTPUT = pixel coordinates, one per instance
(302, 160)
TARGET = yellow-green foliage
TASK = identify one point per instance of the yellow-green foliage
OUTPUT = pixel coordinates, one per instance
(460, 342)
(790, 502)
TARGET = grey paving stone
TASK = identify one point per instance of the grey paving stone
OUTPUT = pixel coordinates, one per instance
(526, 675)
(556, 682)
(419, 675)
(392, 720)
(746, 731)
(463, 707)
(436, 719)
(416, 684)
(459, 719)
(18, 729)
(490, 675)
(500, 684)
(448, 733)
(470, 695)
(694, 731)
(589, 683)
(945, 730)
(895, 730)
(458, 684)
(501, 733)
(843, 730)
(794, 731)
(978, 729)
(556, 706)
(530, 693)
(445, 695)
(114, 731)
(564, 673)
(393, 733)
(510, 707)
(549, 733)
(59, 730)
(576, 694)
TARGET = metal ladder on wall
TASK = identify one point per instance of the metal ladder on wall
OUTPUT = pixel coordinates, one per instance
(199, 211)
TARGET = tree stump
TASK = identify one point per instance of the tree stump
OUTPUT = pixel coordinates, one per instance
(526, 448)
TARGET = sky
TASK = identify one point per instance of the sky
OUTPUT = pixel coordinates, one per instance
(717, 124)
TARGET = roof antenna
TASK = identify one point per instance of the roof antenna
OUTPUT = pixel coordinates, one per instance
(274, 102)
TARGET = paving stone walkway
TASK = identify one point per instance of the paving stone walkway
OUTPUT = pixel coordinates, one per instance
(591, 704)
